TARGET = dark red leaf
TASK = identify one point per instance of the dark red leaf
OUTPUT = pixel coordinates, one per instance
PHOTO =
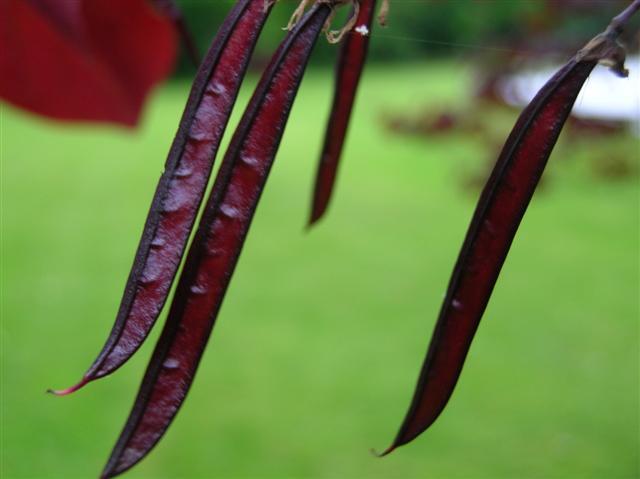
(86, 60)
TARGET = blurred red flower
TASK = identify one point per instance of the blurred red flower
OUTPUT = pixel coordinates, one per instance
(83, 60)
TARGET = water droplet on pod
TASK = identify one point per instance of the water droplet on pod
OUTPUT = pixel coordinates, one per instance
(147, 278)
(229, 211)
(199, 135)
(216, 88)
(157, 242)
(250, 160)
(183, 172)
(171, 364)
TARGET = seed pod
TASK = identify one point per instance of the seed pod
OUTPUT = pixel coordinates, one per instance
(216, 247)
(349, 70)
(496, 219)
(181, 186)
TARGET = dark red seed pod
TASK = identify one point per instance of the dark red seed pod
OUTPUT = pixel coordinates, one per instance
(498, 214)
(349, 70)
(496, 219)
(216, 247)
(181, 187)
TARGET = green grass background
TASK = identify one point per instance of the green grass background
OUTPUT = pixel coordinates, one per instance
(320, 340)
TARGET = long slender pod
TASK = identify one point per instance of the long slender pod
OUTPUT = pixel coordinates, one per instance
(496, 219)
(353, 55)
(181, 187)
(216, 247)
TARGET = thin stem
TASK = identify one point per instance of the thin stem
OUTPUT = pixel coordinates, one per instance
(619, 23)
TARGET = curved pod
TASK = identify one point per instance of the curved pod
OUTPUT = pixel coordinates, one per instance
(181, 186)
(216, 247)
(501, 207)
(353, 56)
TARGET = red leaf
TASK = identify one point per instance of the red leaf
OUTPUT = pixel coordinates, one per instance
(84, 60)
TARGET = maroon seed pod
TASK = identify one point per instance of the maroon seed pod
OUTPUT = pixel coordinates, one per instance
(216, 247)
(349, 70)
(496, 219)
(181, 186)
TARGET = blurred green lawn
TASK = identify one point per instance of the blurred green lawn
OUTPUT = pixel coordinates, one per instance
(320, 340)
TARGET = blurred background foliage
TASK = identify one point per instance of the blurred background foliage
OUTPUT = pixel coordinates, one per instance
(424, 29)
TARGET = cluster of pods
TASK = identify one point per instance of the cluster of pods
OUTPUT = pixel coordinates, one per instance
(228, 211)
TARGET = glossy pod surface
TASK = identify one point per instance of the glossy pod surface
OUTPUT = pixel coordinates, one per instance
(181, 187)
(493, 227)
(217, 244)
(353, 55)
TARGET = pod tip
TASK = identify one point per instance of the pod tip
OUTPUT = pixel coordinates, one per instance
(106, 475)
(314, 218)
(67, 391)
(383, 453)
